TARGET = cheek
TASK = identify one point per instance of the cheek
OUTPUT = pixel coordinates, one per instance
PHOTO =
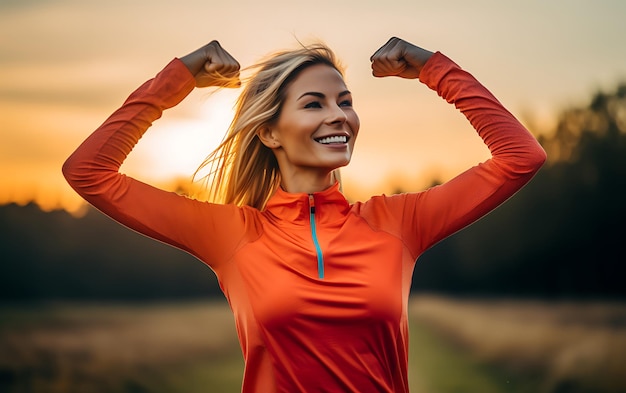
(355, 123)
(291, 130)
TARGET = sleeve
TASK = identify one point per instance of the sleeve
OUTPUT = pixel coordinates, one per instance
(430, 216)
(93, 172)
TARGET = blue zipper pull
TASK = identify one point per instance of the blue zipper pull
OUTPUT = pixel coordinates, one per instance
(318, 249)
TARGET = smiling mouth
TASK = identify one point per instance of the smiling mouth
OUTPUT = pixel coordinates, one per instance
(335, 139)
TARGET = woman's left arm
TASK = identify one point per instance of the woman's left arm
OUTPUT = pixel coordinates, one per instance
(516, 155)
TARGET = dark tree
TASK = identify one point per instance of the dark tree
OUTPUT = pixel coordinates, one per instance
(564, 234)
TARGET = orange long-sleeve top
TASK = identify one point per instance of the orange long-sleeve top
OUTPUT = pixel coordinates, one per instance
(318, 286)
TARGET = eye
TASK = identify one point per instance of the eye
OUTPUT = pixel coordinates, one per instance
(313, 104)
(347, 103)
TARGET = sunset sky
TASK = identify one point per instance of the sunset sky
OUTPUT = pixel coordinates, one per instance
(65, 65)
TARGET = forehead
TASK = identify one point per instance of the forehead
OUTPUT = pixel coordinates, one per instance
(317, 78)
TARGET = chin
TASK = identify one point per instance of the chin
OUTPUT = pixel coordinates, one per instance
(337, 164)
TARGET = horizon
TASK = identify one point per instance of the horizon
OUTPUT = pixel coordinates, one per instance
(62, 72)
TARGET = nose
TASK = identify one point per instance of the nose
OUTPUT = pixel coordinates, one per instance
(336, 115)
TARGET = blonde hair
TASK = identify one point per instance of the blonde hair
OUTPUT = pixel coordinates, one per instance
(242, 170)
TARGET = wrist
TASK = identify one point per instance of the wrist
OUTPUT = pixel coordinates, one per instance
(193, 61)
(419, 58)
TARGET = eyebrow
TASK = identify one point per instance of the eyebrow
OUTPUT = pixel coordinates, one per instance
(322, 95)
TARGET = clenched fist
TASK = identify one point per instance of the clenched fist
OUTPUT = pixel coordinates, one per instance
(399, 58)
(211, 65)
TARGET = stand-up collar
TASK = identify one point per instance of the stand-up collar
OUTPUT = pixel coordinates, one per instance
(330, 204)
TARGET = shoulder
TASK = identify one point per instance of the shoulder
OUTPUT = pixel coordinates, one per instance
(383, 207)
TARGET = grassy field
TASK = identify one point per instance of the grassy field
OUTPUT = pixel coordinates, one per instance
(456, 346)
(527, 346)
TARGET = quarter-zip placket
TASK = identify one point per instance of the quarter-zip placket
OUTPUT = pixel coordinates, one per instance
(318, 249)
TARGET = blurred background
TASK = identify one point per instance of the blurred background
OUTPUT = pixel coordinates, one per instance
(529, 299)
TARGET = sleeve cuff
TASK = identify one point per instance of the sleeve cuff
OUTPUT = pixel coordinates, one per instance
(435, 70)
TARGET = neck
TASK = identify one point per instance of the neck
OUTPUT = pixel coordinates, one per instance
(307, 184)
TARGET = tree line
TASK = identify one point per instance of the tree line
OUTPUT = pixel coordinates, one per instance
(564, 234)
(49, 256)
(561, 236)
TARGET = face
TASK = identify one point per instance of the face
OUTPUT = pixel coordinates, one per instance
(317, 126)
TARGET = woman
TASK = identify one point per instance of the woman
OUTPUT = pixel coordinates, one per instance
(318, 287)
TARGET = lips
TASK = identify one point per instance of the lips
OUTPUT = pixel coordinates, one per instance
(333, 139)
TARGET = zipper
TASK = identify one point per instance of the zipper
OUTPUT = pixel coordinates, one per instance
(318, 249)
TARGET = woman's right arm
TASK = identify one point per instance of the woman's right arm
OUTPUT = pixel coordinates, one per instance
(93, 169)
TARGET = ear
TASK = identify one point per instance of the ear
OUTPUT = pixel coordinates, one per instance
(268, 137)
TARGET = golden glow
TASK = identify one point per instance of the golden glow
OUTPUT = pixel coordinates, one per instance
(62, 72)
(175, 147)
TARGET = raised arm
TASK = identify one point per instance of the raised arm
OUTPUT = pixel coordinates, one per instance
(93, 169)
(434, 214)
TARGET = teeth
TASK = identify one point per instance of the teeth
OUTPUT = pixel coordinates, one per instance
(333, 139)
